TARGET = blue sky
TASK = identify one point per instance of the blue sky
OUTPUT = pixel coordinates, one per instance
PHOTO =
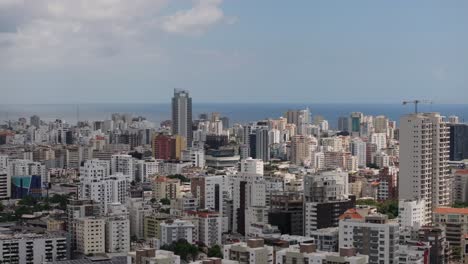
(306, 51)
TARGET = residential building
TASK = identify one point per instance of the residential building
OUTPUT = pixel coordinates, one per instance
(252, 251)
(454, 221)
(90, 235)
(308, 254)
(152, 256)
(374, 236)
(166, 188)
(460, 186)
(173, 230)
(424, 172)
(33, 248)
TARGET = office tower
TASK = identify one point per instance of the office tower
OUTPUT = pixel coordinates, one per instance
(358, 149)
(325, 199)
(35, 121)
(182, 115)
(33, 248)
(355, 120)
(27, 178)
(253, 145)
(424, 174)
(343, 123)
(458, 141)
(123, 164)
(301, 150)
(173, 230)
(225, 122)
(90, 235)
(374, 236)
(254, 251)
(262, 144)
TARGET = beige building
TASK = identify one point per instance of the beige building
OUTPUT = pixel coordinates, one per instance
(152, 256)
(454, 221)
(164, 187)
(151, 226)
(301, 150)
(90, 235)
(254, 251)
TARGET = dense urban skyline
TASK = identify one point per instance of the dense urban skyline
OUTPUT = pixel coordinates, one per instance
(232, 51)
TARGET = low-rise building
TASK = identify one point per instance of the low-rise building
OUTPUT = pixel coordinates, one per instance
(308, 254)
(252, 251)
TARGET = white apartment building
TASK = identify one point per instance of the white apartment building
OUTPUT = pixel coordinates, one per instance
(411, 213)
(107, 190)
(254, 166)
(210, 228)
(358, 149)
(123, 164)
(308, 254)
(95, 169)
(424, 153)
(22, 167)
(33, 248)
(380, 140)
(173, 230)
(152, 256)
(90, 235)
(194, 155)
(253, 251)
(374, 236)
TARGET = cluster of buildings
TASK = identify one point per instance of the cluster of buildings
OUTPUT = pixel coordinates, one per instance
(286, 190)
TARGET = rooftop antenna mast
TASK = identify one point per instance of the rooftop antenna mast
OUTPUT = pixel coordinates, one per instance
(416, 102)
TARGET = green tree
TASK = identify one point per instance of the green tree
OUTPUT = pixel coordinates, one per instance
(185, 250)
(215, 252)
(181, 177)
(165, 201)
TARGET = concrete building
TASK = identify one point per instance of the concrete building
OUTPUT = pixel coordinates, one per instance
(359, 150)
(424, 172)
(117, 229)
(411, 213)
(194, 155)
(152, 256)
(90, 235)
(164, 187)
(182, 115)
(253, 251)
(454, 221)
(152, 225)
(374, 236)
(325, 199)
(138, 209)
(123, 164)
(460, 186)
(250, 165)
(77, 209)
(301, 150)
(209, 191)
(308, 254)
(326, 239)
(33, 248)
(262, 144)
(173, 230)
(210, 227)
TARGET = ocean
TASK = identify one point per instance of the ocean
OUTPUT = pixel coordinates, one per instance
(237, 112)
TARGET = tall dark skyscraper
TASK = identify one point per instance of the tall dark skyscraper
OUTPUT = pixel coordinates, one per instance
(458, 141)
(182, 115)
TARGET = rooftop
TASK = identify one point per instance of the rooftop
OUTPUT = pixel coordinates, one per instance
(451, 210)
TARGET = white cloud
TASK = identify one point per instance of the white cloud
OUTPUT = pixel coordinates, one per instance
(60, 32)
(204, 14)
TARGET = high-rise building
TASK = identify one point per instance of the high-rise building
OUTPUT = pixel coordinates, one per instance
(374, 236)
(301, 150)
(358, 149)
(173, 230)
(460, 186)
(355, 123)
(182, 115)
(262, 144)
(123, 164)
(90, 235)
(458, 141)
(424, 173)
(343, 123)
(326, 197)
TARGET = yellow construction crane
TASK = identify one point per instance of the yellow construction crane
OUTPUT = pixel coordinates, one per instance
(416, 102)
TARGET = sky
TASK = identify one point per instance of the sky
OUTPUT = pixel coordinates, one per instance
(231, 51)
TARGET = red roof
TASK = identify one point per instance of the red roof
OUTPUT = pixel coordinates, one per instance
(351, 214)
(451, 210)
(458, 172)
